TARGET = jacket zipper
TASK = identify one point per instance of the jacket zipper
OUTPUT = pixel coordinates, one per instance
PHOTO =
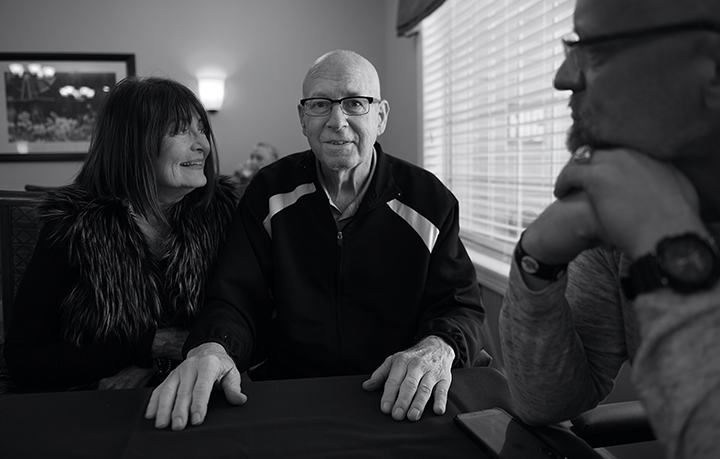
(338, 318)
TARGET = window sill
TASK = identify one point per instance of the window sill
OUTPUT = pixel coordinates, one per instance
(491, 273)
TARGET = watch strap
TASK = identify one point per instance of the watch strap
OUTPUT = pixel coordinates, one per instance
(532, 266)
(644, 275)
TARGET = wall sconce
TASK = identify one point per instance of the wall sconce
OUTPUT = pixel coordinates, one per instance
(212, 92)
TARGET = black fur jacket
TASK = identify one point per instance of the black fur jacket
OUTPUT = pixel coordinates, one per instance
(122, 287)
(96, 280)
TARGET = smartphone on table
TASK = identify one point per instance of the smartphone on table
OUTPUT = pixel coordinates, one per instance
(502, 437)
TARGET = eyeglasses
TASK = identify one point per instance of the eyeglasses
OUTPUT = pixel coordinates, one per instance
(577, 56)
(351, 106)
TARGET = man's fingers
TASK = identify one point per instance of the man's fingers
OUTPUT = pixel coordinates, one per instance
(231, 385)
(408, 385)
(414, 395)
(441, 395)
(377, 379)
(396, 377)
(571, 178)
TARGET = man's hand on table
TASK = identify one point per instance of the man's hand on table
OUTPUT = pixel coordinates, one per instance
(410, 377)
(187, 389)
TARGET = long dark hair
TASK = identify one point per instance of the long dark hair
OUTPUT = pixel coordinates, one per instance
(127, 137)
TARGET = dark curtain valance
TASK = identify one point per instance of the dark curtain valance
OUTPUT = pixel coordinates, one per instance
(411, 12)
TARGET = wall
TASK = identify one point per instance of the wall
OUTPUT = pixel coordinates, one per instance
(264, 46)
(402, 88)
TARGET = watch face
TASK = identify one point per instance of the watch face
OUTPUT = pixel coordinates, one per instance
(529, 265)
(687, 260)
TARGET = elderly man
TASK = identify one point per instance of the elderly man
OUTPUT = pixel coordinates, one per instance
(637, 218)
(342, 260)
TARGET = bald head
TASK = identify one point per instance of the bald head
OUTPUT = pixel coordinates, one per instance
(343, 142)
(343, 65)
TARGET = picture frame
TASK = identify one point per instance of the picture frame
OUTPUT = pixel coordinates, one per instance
(48, 102)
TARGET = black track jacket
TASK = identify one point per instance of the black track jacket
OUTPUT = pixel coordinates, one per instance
(317, 301)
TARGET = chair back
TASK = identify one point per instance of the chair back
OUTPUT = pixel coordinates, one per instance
(18, 235)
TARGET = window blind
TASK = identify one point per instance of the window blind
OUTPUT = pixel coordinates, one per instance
(493, 125)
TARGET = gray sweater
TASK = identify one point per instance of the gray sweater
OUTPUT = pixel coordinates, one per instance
(564, 345)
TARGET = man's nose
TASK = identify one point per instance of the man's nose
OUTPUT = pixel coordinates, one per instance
(337, 119)
(569, 77)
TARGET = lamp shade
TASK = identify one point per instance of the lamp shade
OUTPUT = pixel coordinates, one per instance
(212, 93)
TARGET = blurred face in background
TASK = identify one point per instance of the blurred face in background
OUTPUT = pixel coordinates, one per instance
(260, 157)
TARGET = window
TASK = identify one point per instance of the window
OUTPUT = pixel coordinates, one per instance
(493, 126)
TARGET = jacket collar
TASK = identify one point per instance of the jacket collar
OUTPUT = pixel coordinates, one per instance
(382, 188)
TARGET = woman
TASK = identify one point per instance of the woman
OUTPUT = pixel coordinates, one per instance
(124, 252)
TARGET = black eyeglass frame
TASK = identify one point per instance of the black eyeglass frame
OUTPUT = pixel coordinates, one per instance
(666, 29)
(371, 100)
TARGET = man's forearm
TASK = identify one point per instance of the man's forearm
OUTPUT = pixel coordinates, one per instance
(547, 370)
(677, 371)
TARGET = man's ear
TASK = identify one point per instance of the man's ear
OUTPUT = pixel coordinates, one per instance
(301, 114)
(383, 112)
(712, 93)
(711, 90)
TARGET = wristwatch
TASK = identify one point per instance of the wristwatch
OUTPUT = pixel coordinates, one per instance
(532, 266)
(685, 263)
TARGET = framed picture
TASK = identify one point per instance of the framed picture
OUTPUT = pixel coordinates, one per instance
(48, 102)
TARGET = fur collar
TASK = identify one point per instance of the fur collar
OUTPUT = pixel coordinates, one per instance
(122, 290)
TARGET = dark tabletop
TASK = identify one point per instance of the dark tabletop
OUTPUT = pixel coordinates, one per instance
(311, 418)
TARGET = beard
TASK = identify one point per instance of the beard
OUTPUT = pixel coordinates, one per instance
(582, 132)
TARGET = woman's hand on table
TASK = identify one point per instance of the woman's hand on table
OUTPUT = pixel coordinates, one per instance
(186, 391)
